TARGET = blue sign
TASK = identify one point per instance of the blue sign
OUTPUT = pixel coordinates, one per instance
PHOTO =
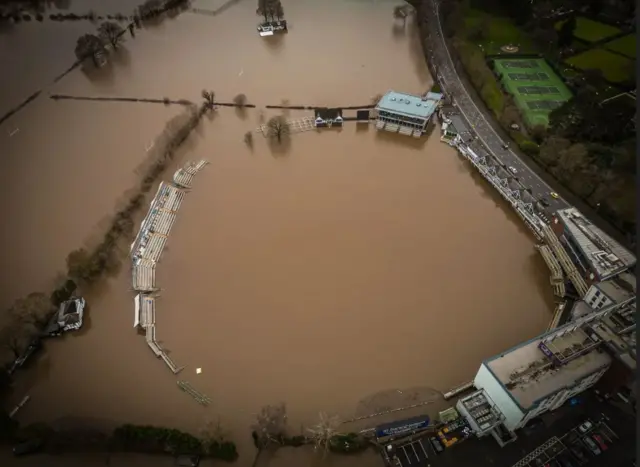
(403, 426)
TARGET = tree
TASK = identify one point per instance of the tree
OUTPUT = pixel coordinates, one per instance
(79, 265)
(13, 337)
(278, 127)
(278, 10)
(89, 46)
(538, 133)
(574, 158)
(271, 424)
(209, 98)
(263, 9)
(111, 32)
(565, 33)
(324, 431)
(240, 100)
(551, 148)
(34, 310)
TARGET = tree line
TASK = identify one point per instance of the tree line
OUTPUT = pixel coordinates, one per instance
(589, 144)
(271, 10)
(93, 46)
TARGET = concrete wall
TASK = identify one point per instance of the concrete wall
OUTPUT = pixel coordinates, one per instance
(498, 393)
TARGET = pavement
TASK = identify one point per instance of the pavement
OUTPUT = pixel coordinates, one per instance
(560, 423)
(448, 77)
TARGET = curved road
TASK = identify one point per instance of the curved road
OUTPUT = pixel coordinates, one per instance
(492, 141)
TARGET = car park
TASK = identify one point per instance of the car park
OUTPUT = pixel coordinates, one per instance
(188, 460)
(598, 439)
(436, 444)
(591, 445)
(579, 453)
(565, 461)
(585, 427)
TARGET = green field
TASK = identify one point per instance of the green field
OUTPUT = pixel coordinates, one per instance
(626, 46)
(591, 31)
(498, 31)
(614, 67)
(536, 89)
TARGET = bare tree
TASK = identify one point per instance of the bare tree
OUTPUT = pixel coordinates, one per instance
(212, 433)
(271, 424)
(89, 46)
(278, 10)
(111, 32)
(79, 265)
(32, 311)
(13, 337)
(278, 127)
(326, 429)
(209, 98)
(240, 100)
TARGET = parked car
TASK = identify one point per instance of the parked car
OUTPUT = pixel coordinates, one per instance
(188, 460)
(586, 426)
(565, 461)
(513, 170)
(591, 444)
(554, 195)
(598, 439)
(579, 453)
(437, 445)
(28, 447)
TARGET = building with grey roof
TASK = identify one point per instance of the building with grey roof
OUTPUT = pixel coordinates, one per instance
(597, 255)
(405, 113)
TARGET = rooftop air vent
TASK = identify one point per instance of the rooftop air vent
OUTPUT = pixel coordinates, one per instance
(418, 104)
(407, 101)
(393, 99)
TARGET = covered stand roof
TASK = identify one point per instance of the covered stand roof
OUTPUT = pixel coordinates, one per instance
(605, 256)
(410, 105)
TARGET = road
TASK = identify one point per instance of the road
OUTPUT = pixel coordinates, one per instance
(440, 56)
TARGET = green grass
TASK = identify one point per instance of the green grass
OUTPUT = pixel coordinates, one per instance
(532, 117)
(591, 31)
(615, 68)
(499, 31)
(626, 46)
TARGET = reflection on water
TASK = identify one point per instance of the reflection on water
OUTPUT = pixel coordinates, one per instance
(317, 272)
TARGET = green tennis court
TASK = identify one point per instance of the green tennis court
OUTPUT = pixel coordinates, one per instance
(535, 88)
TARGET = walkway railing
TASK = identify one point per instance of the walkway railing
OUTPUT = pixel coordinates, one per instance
(513, 195)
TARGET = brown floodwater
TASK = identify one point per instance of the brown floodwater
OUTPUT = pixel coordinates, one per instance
(321, 272)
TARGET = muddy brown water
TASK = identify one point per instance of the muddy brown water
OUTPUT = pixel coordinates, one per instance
(318, 273)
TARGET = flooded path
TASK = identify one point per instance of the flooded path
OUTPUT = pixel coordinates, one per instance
(319, 273)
